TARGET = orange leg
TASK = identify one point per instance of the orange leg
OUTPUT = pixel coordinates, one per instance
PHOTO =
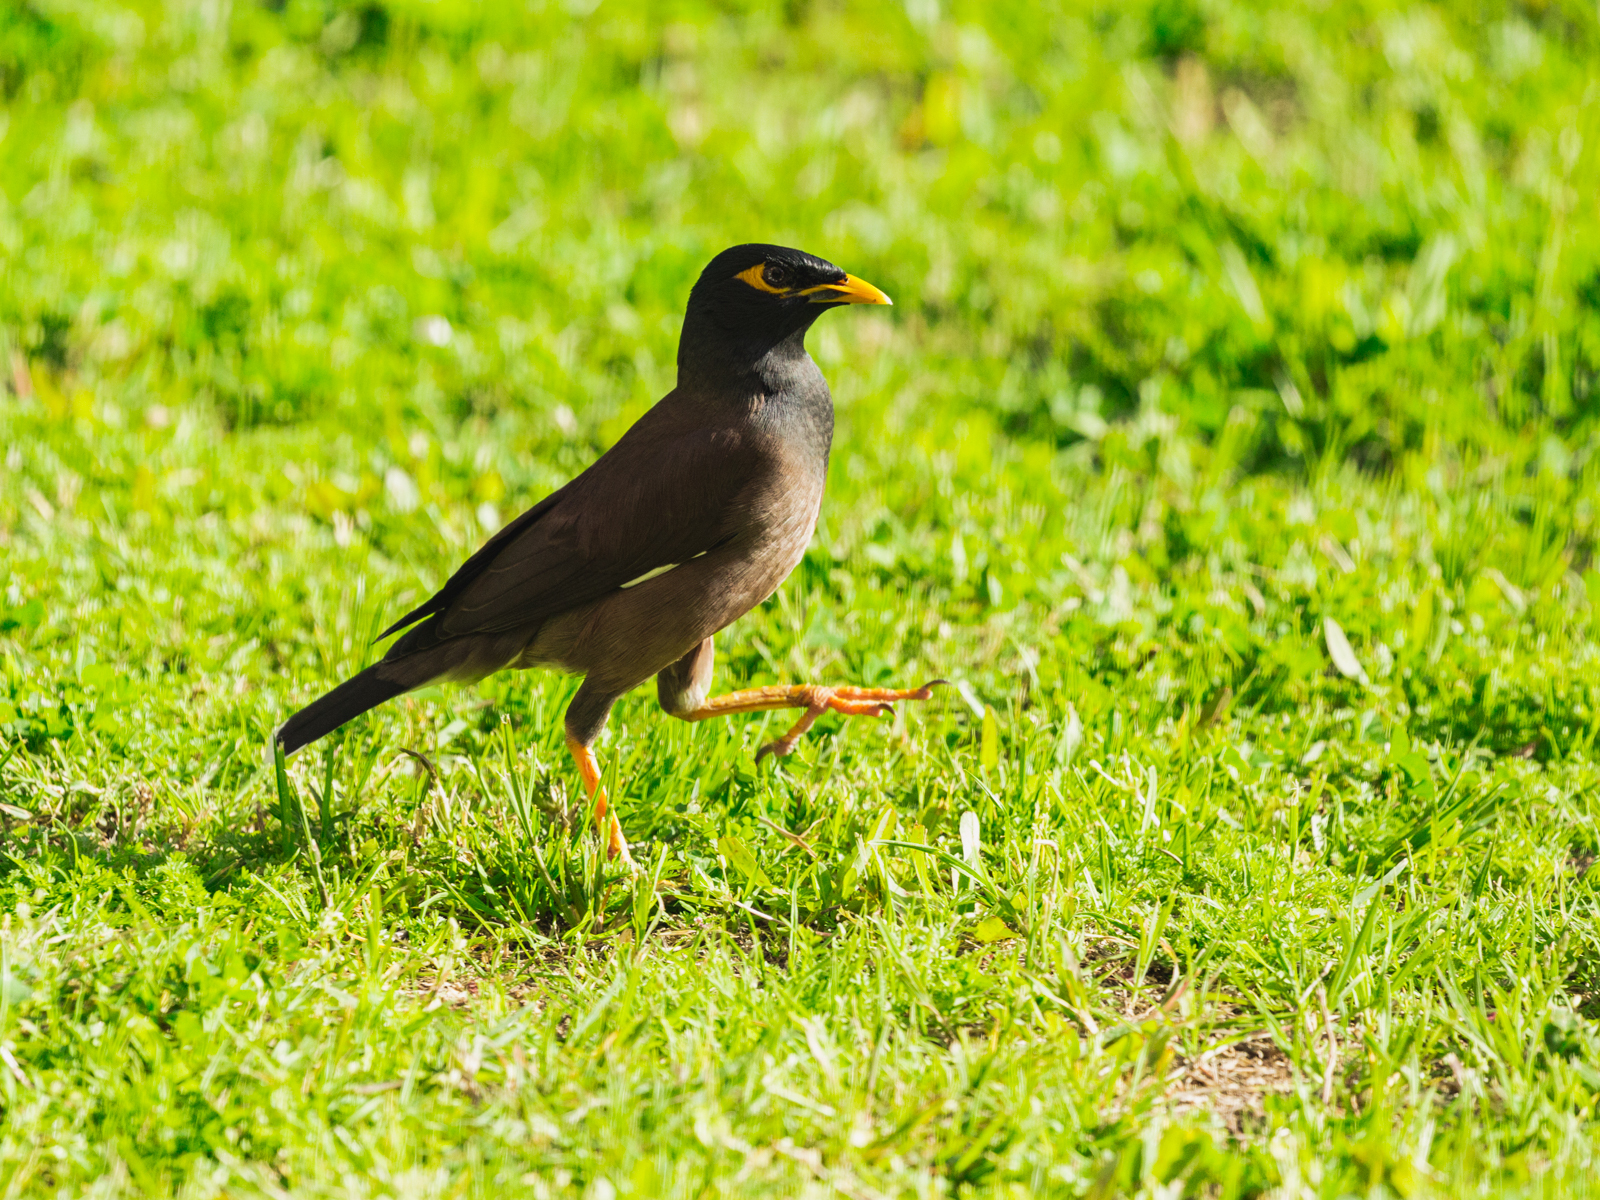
(604, 819)
(814, 698)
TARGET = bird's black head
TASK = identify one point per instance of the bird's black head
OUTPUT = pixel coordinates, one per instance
(751, 298)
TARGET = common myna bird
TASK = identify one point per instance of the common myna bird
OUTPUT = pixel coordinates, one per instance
(694, 517)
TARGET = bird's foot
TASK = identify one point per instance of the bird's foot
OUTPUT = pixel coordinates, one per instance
(845, 700)
(605, 821)
(616, 844)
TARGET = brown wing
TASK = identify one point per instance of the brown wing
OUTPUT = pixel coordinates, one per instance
(663, 494)
(474, 566)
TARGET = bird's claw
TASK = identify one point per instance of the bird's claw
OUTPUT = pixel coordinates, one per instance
(778, 747)
(847, 701)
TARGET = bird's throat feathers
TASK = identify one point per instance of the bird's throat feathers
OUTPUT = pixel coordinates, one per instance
(776, 388)
(716, 357)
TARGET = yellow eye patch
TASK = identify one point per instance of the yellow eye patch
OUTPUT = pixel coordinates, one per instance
(756, 277)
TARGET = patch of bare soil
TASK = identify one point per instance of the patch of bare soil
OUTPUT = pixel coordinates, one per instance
(1232, 1081)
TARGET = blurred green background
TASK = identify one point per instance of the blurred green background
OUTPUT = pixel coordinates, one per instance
(1232, 443)
(1362, 231)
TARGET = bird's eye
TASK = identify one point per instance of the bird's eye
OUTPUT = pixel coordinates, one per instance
(776, 275)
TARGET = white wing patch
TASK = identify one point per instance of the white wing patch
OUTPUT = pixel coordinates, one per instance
(658, 571)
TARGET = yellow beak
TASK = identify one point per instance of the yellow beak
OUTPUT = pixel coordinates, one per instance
(849, 290)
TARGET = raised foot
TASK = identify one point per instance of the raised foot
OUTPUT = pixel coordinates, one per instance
(848, 701)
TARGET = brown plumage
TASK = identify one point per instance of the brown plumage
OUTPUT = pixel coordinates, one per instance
(695, 516)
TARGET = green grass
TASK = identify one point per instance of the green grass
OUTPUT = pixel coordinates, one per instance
(1231, 445)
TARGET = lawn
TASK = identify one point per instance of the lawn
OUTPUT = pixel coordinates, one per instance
(1231, 449)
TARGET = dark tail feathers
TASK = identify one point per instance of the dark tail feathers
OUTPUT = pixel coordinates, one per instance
(347, 701)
